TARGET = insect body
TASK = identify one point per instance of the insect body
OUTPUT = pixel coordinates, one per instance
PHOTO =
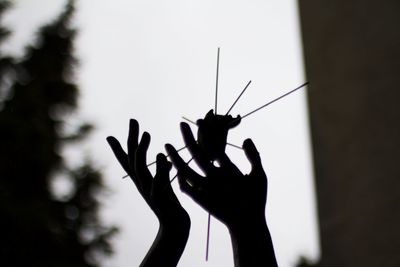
(212, 133)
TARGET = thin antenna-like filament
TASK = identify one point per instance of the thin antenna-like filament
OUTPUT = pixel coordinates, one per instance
(208, 236)
(215, 112)
(180, 149)
(216, 84)
(276, 99)
(232, 145)
(189, 120)
(237, 99)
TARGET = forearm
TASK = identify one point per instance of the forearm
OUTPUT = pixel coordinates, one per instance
(252, 244)
(167, 247)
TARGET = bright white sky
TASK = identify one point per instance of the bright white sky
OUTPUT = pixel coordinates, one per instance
(155, 61)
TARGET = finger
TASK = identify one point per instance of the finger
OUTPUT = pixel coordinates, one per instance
(253, 156)
(188, 179)
(194, 149)
(181, 166)
(124, 161)
(139, 160)
(119, 153)
(161, 184)
(133, 136)
(162, 164)
(163, 167)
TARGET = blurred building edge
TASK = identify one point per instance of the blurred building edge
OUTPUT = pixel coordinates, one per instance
(352, 59)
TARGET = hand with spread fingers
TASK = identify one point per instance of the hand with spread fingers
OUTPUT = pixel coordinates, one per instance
(237, 200)
(174, 221)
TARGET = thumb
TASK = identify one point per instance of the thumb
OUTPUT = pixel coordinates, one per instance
(253, 156)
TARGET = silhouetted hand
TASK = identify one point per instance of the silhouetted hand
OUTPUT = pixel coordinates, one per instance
(225, 192)
(235, 199)
(157, 192)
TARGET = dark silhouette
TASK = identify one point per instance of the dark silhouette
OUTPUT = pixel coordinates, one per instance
(38, 93)
(235, 199)
(6, 62)
(174, 222)
(213, 133)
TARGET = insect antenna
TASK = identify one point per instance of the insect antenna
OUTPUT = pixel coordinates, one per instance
(189, 120)
(208, 236)
(237, 99)
(215, 110)
(180, 149)
(216, 83)
(232, 145)
(273, 101)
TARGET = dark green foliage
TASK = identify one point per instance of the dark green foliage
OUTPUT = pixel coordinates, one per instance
(37, 94)
(5, 61)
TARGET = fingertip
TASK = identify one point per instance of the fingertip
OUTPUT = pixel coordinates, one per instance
(168, 148)
(161, 157)
(110, 139)
(171, 151)
(248, 144)
(133, 123)
(184, 125)
(176, 159)
(164, 161)
(146, 134)
(250, 149)
(133, 134)
(161, 162)
(146, 137)
(186, 133)
(253, 155)
(143, 144)
(133, 128)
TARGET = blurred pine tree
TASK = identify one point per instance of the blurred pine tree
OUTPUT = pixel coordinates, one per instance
(37, 94)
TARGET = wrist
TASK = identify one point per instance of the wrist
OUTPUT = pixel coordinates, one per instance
(252, 243)
(247, 223)
(179, 227)
(169, 244)
(248, 232)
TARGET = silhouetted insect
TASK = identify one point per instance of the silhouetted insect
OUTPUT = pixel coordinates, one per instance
(212, 134)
